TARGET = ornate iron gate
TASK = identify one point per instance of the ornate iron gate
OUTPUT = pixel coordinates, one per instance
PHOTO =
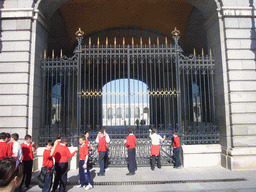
(120, 86)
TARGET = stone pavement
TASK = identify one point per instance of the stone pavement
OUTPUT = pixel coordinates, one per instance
(165, 179)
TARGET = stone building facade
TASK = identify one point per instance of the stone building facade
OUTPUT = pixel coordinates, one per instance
(229, 27)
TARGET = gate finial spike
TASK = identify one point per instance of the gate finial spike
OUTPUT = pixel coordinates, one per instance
(79, 33)
(115, 41)
(98, 42)
(90, 41)
(61, 53)
(123, 41)
(45, 54)
(140, 40)
(157, 40)
(132, 41)
(149, 41)
(202, 52)
(106, 40)
(53, 53)
(166, 41)
(210, 52)
(194, 52)
(176, 32)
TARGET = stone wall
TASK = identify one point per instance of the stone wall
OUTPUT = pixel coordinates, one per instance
(23, 38)
(239, 34)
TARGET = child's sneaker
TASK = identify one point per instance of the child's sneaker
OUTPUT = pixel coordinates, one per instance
(88, 187)
(79, 186)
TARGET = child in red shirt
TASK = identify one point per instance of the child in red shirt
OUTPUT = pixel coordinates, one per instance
(28, 149)
(176, 150)
(84, 171)
(9, 143)
(3, 146)
(48, 163)
(102, 148)
(61, 155)
(130, 143)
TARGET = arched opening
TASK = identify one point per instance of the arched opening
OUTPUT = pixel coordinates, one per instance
(195, 22)
(127, 97)
(120, 29)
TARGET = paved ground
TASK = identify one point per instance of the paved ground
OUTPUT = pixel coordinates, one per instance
(166, 179)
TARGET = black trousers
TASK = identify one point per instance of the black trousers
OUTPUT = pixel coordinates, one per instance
(132, 165)
(102, 155)
(27, 173)
(106, 159)
(61, 176)
(177, 157)
(153, 161)
(47, 182)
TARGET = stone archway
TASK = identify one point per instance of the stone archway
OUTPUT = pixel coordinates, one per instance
(208, 11)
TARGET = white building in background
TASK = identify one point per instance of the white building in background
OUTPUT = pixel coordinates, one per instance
(125, 114)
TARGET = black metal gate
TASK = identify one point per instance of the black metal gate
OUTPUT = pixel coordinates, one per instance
(120, 86)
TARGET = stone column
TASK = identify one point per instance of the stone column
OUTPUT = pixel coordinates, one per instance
(240, 50)
(23, 39)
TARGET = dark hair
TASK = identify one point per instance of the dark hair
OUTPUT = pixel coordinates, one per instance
(10, 167)
(15, 136)
(130, 130)
(58, 136)
(50, 142)
(82, 137)
(2, 135)
(101, 131)
(154, 130)
(7, 135)
(27, 137)
(63, 140)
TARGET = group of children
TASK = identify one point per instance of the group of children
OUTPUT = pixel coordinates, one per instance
(10, 147)
(130, 142)
(156, 140)
(60, 152)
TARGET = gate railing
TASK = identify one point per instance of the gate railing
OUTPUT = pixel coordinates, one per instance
(180, 94)
(118, 153)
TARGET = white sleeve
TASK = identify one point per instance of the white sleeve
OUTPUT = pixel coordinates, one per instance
(97, 139)
(15, 148)
(107, 138)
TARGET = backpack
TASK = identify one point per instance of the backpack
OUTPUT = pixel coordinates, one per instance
(41, 176)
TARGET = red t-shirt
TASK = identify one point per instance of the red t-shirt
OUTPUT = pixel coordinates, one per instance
(102, 144)
(131, 141)
(10, 144)
(83, 150)
(3, 149)
(47, 158)
(62, 153)
(27, 151)
(176, 142)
